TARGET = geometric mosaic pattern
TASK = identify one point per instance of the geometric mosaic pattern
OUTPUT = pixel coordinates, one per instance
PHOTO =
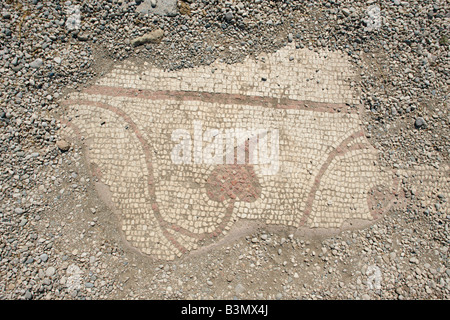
(324, 171)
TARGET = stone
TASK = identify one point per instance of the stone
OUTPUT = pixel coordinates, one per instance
(50, 271)
(290, 37)
(83, 36)
(37, 63)
(420, 122)
(414, 260)
(28, 295)
(229, 16)
(63, 145)
(152, 37)
(43, 257)
(184, 9)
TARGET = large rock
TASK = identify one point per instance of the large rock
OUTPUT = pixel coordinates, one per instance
(152, 37)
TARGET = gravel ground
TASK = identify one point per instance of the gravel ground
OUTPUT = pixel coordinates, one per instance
(57, 239)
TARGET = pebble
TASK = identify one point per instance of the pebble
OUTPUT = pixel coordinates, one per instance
(43, 257)
(229, 16)
(63, 145)
(414, 260)
(290, 37)
(83, 36)
(37, 63)
(50, 271)
(420, 122)
(28, 295)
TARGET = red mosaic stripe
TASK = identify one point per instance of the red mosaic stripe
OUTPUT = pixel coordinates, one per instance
(224, 98)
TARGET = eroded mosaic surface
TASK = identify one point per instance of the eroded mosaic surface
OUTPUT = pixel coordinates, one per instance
(320, 172)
